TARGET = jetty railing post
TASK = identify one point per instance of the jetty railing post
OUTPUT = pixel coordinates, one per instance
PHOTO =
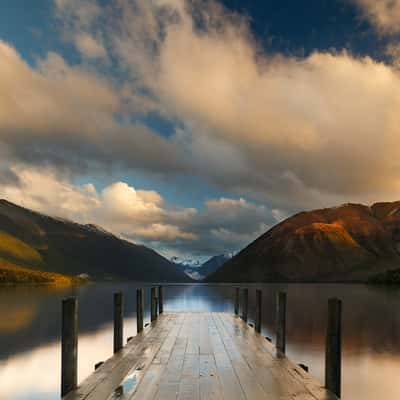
(160, 300)
(245, 304)
(237, 297)
(281, 322)
(333, 356)
(118, 321)
(257, 326)
(69, 345)
(153, 304)
(139, 310)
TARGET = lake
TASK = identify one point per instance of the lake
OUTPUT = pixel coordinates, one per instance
(30, 319)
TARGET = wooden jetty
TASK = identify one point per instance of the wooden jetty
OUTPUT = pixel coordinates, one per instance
(199, 356)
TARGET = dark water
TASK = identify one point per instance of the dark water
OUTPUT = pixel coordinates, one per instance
(30, 332)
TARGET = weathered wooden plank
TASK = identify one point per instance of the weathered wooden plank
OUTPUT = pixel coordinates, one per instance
(246, 376)
(148, 379)
(230, 385)
(291, 378)
(103, 373)
(199, 356)
(209, 385)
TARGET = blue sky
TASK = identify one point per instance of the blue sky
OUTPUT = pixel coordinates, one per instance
(194, 127)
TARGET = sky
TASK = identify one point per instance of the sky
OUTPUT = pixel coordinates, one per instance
(192, 127)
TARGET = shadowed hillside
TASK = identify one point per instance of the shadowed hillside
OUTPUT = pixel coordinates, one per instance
(35, 241)
(352, 242)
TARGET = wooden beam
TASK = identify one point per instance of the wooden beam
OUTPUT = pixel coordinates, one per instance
(281, 322)
(139, 310)
(69, 345)
(153, 311)
(160, 299)
(258, 311)
(333, 357)
(118, 321)
(245, 304)
(237, 299)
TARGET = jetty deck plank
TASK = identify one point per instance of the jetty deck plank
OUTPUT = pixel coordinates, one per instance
(199, 356)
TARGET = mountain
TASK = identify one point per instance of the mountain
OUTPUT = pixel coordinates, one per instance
(350, 243)
(213, 264)
(38, 242)
(198, 271)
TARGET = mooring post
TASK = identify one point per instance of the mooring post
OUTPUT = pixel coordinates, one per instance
(118, 321)
(153, 304)
(139, 310)
(281, 322)
(237, 297)
(245, 304)
(160, 300)
(69, 345)
(258, 311)
(333, 356)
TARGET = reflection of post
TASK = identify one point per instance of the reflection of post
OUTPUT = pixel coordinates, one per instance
(118, 321)
(160, 299)
(281, 322)
(69, 345)
(258, 310)
(139, 310)
(333, 357)
(153, 304)
(245, 304)
(237, 295)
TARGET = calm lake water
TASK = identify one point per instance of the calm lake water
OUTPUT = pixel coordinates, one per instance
(30, 332)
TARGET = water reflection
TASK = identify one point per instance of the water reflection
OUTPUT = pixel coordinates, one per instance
(30, 331)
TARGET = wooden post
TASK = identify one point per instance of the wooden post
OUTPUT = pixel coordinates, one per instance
(258, 310)
(245, 304)
(160, 299)
(69, 345)
(153, 304)
(237, 297)
(139, 310)
(281, 322)
(118, 321)
(333, 357)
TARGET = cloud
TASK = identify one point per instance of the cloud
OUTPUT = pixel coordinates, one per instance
(142, 216)
(119, 207)
(383, 14)
(289, 132)
(298, 132)
(90, 46)
(74, 118)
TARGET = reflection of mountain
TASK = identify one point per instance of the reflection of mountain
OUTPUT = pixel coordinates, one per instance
(347, 243)
(31, 317)
(36, 241)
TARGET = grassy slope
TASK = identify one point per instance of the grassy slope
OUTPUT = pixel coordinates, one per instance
(11, 273)
(15, 249)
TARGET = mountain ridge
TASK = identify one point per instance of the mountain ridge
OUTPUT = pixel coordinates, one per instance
(349, 243)
(67, 247)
